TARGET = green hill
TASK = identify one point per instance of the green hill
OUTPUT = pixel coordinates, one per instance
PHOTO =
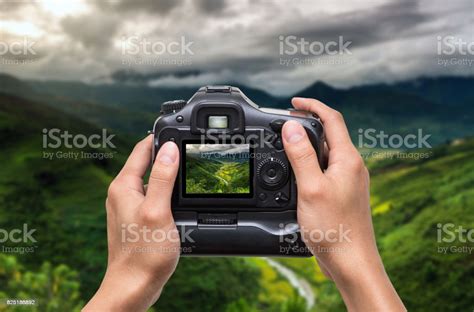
(409, 200)
(213, 176)
(62, 198)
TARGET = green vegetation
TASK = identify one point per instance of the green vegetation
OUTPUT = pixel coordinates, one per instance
(53, 289)
(216, 176)
(63, 199)
(422, 194)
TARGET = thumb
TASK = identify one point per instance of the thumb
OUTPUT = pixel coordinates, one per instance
(161, 182)
(302, 156)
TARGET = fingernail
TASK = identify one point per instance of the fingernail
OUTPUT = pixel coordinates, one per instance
(168, 153)
(293, 132)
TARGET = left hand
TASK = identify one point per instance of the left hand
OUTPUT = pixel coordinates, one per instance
(143, 242)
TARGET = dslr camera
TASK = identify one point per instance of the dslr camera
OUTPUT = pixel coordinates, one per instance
(235, 193)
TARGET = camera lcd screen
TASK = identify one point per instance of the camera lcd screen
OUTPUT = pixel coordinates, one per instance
(217, 170)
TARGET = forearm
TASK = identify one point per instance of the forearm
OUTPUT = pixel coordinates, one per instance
(364, 285)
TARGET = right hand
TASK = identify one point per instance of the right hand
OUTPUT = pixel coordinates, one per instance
(337, 201)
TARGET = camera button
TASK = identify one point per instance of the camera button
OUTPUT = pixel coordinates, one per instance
(179, 118)
(281, 198)
(262, 196)
(271, 173)
(172, 106)
(278, 144)
(277, 124)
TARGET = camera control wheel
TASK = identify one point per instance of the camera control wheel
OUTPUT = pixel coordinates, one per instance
(272, 173)
(172, 106)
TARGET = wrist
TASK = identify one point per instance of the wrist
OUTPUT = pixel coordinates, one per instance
(363, 282)
(124, 289)
(353, 263)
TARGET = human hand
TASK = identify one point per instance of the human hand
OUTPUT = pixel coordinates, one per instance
(139, 265)
(334, 202)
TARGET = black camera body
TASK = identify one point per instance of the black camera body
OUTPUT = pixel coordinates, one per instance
(235, 193)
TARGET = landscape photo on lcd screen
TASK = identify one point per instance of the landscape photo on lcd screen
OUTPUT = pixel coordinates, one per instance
(217, 169)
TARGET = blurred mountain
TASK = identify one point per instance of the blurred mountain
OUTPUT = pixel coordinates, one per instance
(13, 85)
(441, 107)
(132, 96)
(453, 91)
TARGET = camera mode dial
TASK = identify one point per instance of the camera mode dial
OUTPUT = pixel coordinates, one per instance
(272, 173)
(172, 106)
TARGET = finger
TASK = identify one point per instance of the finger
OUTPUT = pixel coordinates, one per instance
(162, 178)
(131, 175)
(337, 135)
(301, 155)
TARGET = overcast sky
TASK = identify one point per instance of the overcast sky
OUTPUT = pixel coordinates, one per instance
(243, 41)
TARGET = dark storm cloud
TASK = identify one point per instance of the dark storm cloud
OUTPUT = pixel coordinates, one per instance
(239, 40)
(12, 9)
(234, 65)
(91, 31)
(383, 23)
(160, 7)
(250, 64)
(10, 6)
(210, 6)
(362, 27)
(395, 21)
(133, 76)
